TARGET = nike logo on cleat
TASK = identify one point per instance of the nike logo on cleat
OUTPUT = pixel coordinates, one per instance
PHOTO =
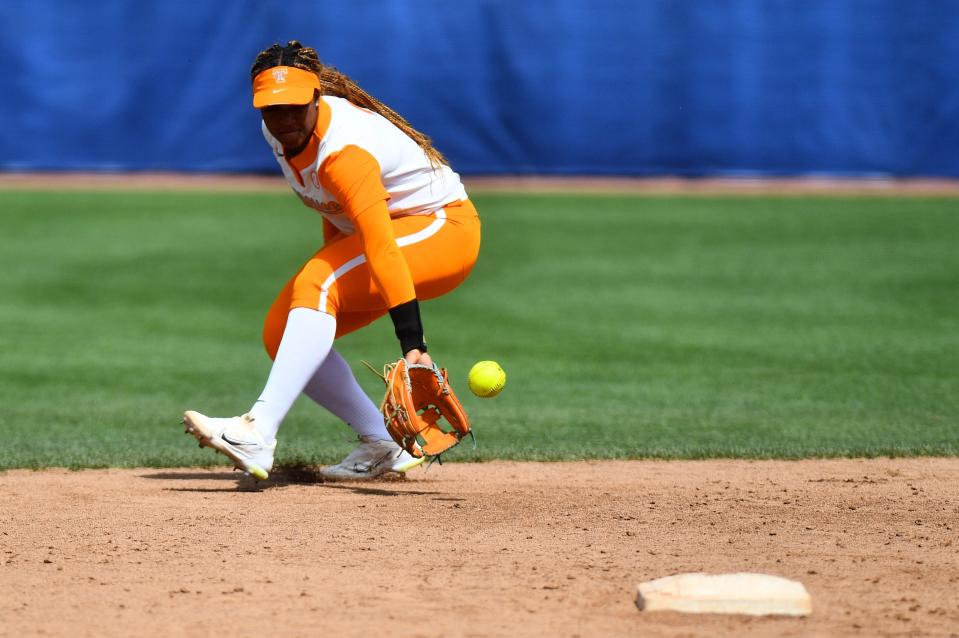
(232, 442)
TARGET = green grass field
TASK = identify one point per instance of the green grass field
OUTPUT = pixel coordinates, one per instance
(630, 327)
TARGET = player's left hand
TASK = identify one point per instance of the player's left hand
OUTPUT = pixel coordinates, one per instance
(418, 357)
(418, 400)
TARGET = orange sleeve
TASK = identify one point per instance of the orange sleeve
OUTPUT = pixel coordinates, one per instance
(352, 175)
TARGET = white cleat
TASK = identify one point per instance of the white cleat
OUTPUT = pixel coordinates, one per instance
(370, 459)
(236, 438)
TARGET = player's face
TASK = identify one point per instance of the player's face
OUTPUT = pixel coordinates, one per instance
(291, 125)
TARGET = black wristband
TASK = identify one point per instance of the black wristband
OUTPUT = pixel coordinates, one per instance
(409, 326)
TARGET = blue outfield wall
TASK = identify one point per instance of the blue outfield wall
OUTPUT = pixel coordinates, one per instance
(692, 87)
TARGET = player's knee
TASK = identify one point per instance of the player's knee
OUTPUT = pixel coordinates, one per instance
(323, 299)
(308, 290)
(271, 345)
(273, 332)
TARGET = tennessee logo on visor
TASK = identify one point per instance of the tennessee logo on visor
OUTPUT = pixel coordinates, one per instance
(284, 85)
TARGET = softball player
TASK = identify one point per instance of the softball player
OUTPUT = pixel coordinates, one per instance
(397, 228)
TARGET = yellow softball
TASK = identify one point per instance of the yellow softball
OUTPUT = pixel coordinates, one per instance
(486, 379)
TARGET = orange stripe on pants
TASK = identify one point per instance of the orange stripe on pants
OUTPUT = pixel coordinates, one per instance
(440, 249)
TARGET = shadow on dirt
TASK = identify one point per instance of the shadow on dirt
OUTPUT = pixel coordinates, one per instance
(199, 475)
(281, 477)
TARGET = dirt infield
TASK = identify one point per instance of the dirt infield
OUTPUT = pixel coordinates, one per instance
(511, 184)
(498, 549)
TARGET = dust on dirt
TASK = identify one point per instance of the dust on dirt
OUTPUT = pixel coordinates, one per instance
(494, 549)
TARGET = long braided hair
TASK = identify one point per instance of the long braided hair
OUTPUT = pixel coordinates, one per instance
(332, 82)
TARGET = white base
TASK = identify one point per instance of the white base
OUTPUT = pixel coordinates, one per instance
(742, 593)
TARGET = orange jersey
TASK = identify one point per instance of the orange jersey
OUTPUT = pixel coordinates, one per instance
(360, 172)
(439, 249)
